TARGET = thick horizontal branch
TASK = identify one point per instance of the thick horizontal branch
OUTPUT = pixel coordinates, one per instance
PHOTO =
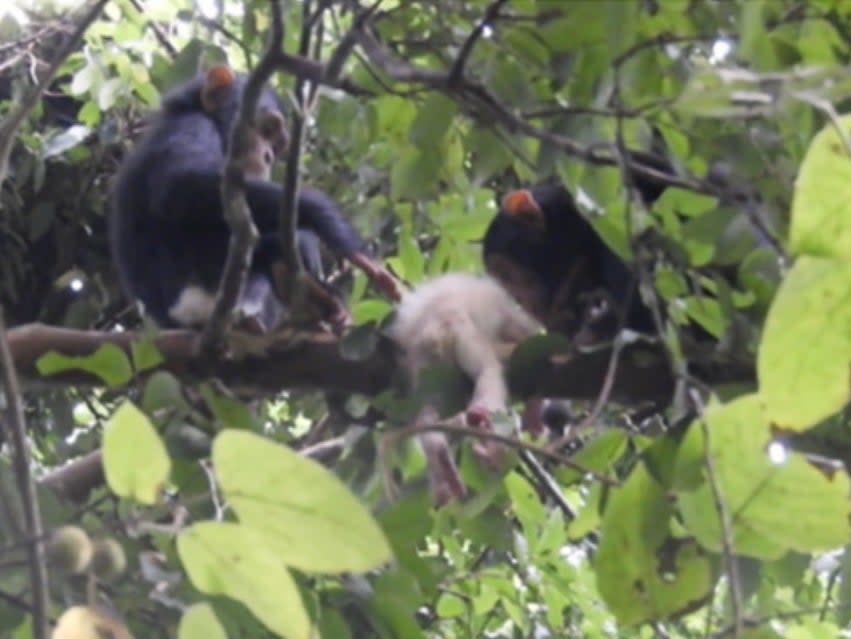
(293, 360)
(313, 360)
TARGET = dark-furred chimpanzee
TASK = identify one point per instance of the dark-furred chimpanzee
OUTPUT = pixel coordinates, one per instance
(168, 234)
(552, 261)
(550, 258)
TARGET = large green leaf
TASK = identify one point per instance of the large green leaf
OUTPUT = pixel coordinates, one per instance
(803, 359)
(308, 516)
(643, 572)
(200, 622)
(135, 460)
(224, 558)
(775, 506)
(108, 362)
(821, 208)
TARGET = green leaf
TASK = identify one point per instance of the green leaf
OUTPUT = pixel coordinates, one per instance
(644, 573)
(489, 153)
(760, 273)
(89, 113)
(108, 362)
(372, 310)
(775, 506)
(332, 625)
(135, 460)
(309, 517)
(701, 234)
(707, 312)
(433, 120)
(225, 558)
(843, 613)
(393, 605)
(145, 353)
(525, 503)
(450, 605)
(821, 207)
(163, 391)
(200, 622)
(411, 258)
(804, 355)
(230, 413)
(598, 455)
(414, 174)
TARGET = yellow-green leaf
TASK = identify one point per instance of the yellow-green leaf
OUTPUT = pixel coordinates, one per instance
(309, 517)
(775, 507)
(225, 558)
(821, 207)
(643, 572)
(135, 460)
(804, 355)
(145, 352)
(108, 362)
(200, 622)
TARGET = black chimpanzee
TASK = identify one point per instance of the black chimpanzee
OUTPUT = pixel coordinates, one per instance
(168, 234)
(550, 258)
(553, 262)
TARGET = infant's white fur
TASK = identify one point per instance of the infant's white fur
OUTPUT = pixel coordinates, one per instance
(472, 322)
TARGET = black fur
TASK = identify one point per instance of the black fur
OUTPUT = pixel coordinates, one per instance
(167, 229)
(567, 246)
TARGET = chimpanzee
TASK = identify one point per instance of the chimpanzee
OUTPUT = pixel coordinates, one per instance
(553, 262)
(168, 234)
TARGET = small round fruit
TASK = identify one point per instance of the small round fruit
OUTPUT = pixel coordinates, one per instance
(69, 550)
(108, 559)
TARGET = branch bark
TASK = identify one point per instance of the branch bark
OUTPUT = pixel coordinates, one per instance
(244, 235)
(15, 432)
(298, 359)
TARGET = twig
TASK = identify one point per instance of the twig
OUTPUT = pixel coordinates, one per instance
(487, 108)
(161, 37)
(456, 73)
(215, 496)
(334, 67)
(547, 482)
(604, 394)
(447, 426)
(244, 235)
(727, 546)
(15, 432)
(288, 214)
(306, 94)
(214, 25)
(323, 451)
(10, 125)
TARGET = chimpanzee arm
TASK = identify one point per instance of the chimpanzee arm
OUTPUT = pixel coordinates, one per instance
(319, 213)
(194, 197)
(322, 215)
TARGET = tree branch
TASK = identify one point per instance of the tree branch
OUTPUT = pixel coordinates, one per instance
(298, 359)
(456, 73)
(288, 214)
(244, 235)
(15, 433)
(485, 107)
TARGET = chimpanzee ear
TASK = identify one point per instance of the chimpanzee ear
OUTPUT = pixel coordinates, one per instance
(521, 203)
(218, 80)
